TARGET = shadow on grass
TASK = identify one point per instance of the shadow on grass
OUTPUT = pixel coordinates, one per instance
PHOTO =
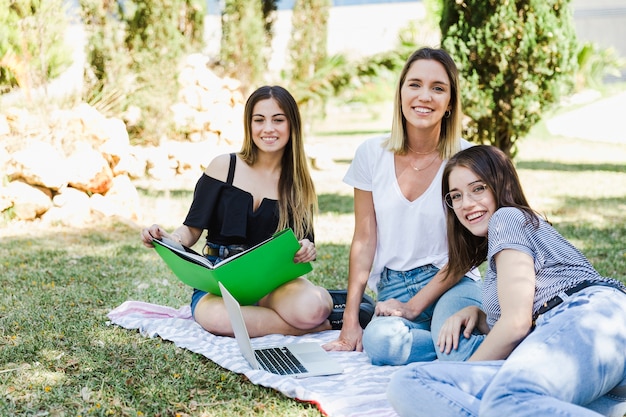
(330, 269)
(57, 287)
(335, 203)
(175, 193)
(576, 167)
(610, 208)
(352, 132)
(605, 247)
(603, 242)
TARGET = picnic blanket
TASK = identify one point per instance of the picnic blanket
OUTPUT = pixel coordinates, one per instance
(359, 391)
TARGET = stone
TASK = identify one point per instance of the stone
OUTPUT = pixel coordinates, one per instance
(39, 163)
(28, 201)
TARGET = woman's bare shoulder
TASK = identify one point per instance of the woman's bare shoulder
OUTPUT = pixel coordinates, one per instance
(218, 167)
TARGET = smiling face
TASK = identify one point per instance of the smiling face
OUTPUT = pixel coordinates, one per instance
(425, 93)
(473, 213)
(269, 126)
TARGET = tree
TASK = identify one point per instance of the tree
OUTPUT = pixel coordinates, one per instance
(269, 14)
(310, 66)
(516, 57)
(134, 51)
(32, 44)
(244, 47)
(163, 29)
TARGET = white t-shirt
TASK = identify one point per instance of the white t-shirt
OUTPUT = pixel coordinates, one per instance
(410, 233)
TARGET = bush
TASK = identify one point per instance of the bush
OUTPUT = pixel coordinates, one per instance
(32, 48)
(135, 48)
(595, 63)
(243, 53)
(516, 58)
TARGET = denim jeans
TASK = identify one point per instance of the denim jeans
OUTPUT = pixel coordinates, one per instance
(389, 340)
(198, 294)
(566, 367)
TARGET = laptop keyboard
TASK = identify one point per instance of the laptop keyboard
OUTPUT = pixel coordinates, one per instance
(279, 361)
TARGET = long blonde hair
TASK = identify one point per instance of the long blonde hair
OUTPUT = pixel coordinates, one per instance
(449, 137)
(297, 202)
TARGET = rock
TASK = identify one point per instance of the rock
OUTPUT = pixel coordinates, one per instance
(39, 163)
(73, 166)
(71, 207)
(28, 201)
(90, 172)
(121, 200)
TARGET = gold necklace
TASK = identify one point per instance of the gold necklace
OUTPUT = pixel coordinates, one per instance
(416, 169)
(420, 153)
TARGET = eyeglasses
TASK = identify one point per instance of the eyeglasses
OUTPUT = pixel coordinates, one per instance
(454, 199)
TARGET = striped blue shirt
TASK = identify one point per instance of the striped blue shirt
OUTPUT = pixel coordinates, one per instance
(559, 266)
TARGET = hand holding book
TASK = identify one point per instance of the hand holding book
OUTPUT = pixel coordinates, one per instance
(307, 252)
(249, 275)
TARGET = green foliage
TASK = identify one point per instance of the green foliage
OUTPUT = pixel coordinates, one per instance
(595, 63)
(269, 9)
(369, 80)
(244, 43)
(394, 59)
(307, 47)
(134, 48)
(516, 58)
(434, 9)
(322, 84)
(109, 76)
(32, 45)
(373, 78)
(311, 72)
(161, 29)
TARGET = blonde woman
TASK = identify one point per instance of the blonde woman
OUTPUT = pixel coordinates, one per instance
(399, 246)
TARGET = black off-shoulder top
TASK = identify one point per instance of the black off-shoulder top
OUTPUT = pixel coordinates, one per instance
(228, 214)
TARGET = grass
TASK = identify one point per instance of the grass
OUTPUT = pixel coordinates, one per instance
(59, 357)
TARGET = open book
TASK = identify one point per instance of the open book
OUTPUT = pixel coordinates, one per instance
(249, 275)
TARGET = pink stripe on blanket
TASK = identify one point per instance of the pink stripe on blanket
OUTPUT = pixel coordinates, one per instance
(149, 310)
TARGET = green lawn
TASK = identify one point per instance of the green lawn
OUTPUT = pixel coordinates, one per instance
(58, 356)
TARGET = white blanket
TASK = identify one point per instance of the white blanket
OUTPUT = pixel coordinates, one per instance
(359, 391)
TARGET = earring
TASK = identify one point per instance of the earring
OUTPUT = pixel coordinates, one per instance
(447, 114)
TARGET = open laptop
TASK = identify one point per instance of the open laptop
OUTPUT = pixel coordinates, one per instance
(295, 359)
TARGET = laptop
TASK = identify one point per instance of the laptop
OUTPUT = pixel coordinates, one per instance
(298, 360)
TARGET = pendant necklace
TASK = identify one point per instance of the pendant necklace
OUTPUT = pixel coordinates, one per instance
(420, 153)
(416, 169)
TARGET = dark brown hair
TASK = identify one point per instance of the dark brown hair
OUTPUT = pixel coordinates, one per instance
(494, 168)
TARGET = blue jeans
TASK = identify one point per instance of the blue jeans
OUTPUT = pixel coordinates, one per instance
(572, 364)
(198, 294)
(398, 341)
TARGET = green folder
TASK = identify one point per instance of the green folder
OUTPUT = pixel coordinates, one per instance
(249, 275)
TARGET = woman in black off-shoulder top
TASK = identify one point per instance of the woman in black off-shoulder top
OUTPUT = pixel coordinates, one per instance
(242, 199)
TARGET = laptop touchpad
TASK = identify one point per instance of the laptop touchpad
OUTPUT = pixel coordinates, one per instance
(313, 356)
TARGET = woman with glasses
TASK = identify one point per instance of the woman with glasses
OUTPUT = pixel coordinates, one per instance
(399, 245)
(555, 328)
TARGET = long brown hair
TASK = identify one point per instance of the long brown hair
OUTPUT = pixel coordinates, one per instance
(450, 134)
(494, 168)
(297, 202)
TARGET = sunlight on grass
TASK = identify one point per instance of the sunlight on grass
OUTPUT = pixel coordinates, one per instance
(60, 356)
